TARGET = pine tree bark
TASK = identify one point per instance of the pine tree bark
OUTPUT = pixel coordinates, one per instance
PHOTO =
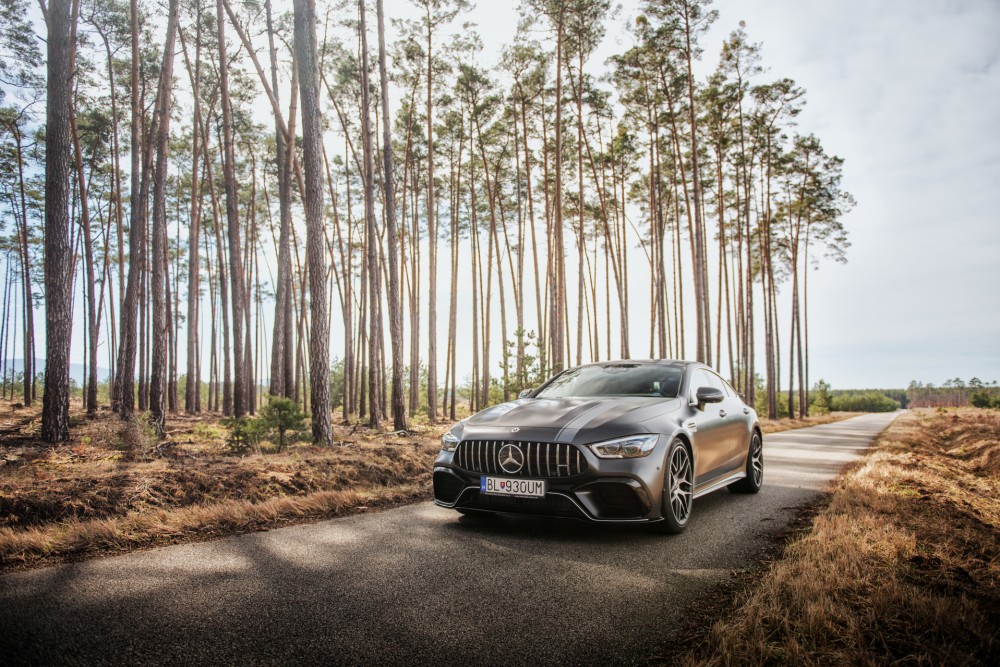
(312, 138)
(395, 312)
(432, 228)
(124, 395)
(232, 222)
(374, 272)
(83, 189)
(192, 390)
(557, 327)
(158, 375)
(283, 343)
(58, 253)
(22, 241)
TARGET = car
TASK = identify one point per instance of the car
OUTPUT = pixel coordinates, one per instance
(620, 441)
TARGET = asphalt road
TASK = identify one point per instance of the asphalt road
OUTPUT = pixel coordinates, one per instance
(415, 585)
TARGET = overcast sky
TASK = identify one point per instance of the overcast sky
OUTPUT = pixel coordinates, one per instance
(908, 92)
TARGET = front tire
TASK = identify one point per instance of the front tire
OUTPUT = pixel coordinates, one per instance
(754, 469)
(678, 489)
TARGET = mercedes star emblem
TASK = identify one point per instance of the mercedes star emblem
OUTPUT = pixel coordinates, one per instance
(511, 458)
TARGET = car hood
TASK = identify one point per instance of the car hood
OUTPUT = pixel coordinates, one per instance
(561, 419)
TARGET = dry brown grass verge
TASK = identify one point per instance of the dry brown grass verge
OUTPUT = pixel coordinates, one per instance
(113, 488)
(76, 539)
(902, 567)
(787, 424)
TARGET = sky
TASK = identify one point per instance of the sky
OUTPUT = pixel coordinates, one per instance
(908, 93)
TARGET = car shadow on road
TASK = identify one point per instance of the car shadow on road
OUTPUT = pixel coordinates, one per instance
(563, 529)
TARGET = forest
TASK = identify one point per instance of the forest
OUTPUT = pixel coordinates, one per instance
(232, 200)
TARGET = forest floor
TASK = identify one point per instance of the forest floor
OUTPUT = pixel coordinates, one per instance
(113, 488)
(900, 565)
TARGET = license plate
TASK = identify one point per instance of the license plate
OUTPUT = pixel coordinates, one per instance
(504, 486)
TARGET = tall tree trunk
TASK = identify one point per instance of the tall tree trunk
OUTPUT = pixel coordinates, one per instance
(58, 252)
(28, 301)
(395, 312)
(233, 222)
(432, 228)
(282, 344)
(702, 305)
(580, 232)
(192, 390)
(374, 272)
(90, 395)
(158, 376)
(227, 385)
(123, 401)
(312, 139)
(557, 329)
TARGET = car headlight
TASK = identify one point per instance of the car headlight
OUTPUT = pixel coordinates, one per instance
(630, 447)
(449, 442)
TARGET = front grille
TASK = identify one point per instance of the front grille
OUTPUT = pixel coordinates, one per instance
(447, 486)
(541, 459)
(550, 505)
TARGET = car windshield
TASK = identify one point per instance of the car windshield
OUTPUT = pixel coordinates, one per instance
(656, 380)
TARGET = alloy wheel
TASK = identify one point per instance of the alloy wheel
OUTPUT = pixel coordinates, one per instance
(680, 483)
(757, 460)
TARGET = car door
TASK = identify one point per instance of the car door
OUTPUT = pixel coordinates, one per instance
(735, 417)
(711, 441)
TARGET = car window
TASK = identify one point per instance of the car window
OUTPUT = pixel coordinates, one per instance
(720, 384)
(705, 378)
(699, 378)
(621, 379)
(730, 392)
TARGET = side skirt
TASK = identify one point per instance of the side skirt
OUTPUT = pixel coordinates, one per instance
(715, 485)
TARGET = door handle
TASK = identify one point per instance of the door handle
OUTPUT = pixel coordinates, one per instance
(722, 413)
(746, 411)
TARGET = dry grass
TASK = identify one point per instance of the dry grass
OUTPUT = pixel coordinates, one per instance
(787, 424)
(76, 538)
(903, 567)
(113, 488)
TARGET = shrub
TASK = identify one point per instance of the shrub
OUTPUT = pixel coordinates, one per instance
(981, 399)
(244, 433)
(282, 415)
(820, 398)
(869, 401)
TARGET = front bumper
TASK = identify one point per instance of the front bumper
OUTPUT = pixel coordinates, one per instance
(607, 490)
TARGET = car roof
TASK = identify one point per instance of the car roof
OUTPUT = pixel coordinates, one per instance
(645, 362)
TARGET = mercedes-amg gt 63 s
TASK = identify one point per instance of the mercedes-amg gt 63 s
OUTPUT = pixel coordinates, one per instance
(621, 441)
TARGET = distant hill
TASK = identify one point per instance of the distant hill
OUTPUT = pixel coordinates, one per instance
(76, 371)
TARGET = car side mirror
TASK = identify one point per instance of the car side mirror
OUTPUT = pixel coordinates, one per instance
(526, 393)
(709, 395)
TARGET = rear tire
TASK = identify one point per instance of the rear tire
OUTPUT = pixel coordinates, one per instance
(678, 489)
(754, 468)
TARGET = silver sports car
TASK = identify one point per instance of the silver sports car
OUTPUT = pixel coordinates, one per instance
(620, 441)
